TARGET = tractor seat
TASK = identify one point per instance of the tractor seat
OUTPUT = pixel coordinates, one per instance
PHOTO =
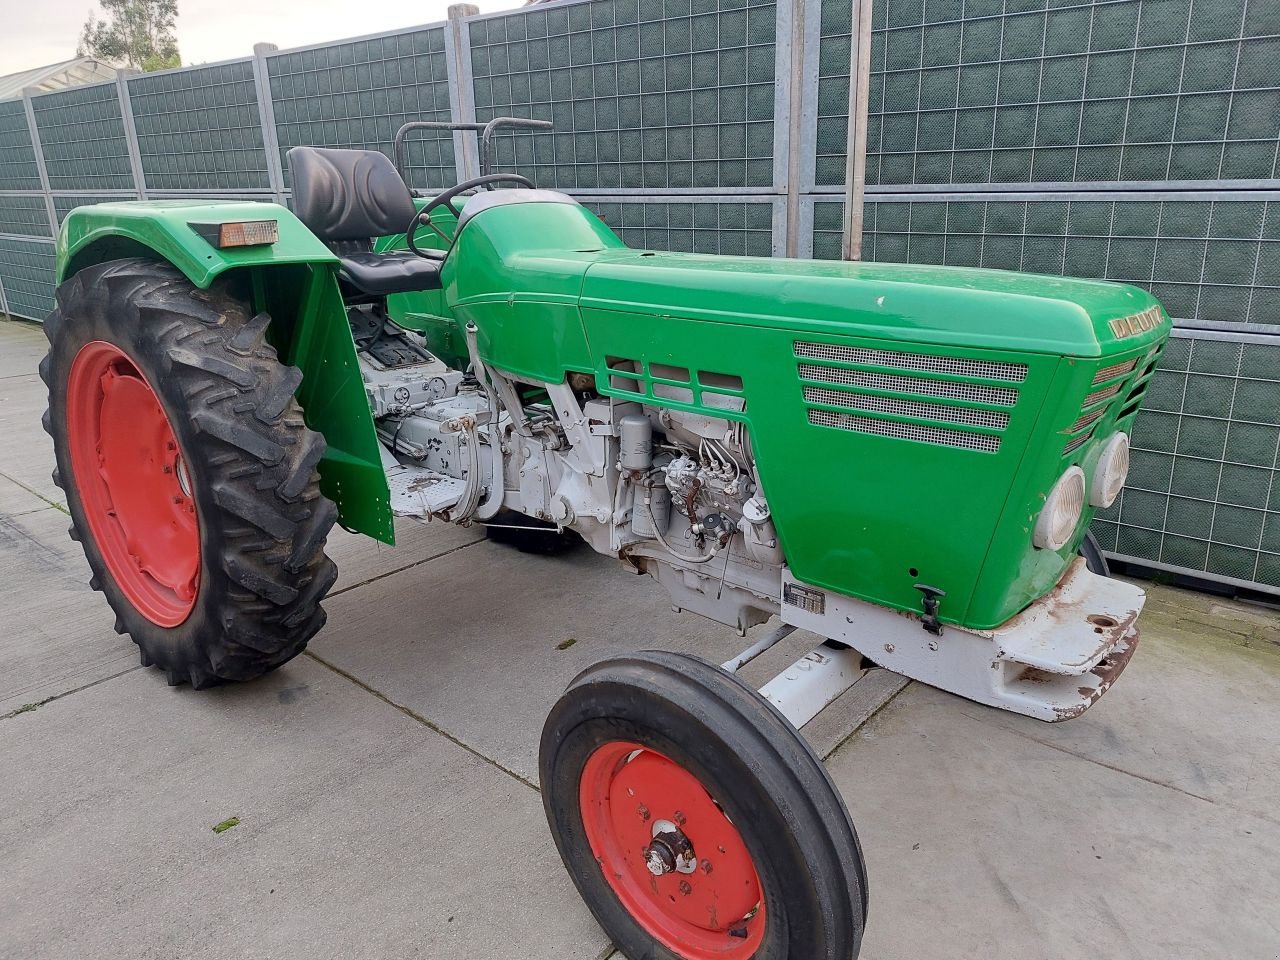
(349, 197)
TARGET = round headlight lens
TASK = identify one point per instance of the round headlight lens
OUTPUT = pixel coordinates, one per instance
(1111, 472)
(1061, 513)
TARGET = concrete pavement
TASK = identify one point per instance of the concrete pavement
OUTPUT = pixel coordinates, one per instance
(385, 783)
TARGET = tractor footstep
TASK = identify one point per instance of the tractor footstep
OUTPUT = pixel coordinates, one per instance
(420, 493)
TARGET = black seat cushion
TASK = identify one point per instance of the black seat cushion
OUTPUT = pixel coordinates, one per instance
(381, 274)
(348, 194)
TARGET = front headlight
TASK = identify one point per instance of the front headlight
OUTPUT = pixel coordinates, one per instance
(1111, 472)
(1061, 513)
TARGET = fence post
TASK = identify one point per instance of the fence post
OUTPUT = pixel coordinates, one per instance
(795, 110)
(4, 304)
(130, 130)
(855, 178)
(462, 101)
(40, 167)
(267, 118)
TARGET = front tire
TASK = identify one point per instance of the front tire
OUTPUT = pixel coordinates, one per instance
(190, 475)
(695, 821)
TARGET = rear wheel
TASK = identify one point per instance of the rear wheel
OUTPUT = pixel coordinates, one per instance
(694, 819)
(190, 475)
(529, 535)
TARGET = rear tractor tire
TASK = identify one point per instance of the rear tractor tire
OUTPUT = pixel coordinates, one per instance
(190, 475)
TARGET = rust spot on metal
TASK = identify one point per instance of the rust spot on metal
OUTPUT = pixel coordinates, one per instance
(644, 813)
(706, 867)
(685, 888)
(1107, 670)
(422, 483)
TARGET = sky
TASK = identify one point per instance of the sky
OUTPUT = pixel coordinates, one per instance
(46, 31)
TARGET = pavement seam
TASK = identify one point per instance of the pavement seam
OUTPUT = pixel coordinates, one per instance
(867, 719)
(414, 715)
(36, 493)
(31, 707)
(1129, 773)
(409, 566)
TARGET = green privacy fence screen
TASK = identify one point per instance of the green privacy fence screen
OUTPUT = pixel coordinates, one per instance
(653, 94)
(1134, 140)
(200, 129)
(358, 94)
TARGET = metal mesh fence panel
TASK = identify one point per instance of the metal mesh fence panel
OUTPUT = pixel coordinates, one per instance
(828, 229)
(834, 59)
(200, 129)
(24, 215)
(976, 91)
(357, 95)
(730, 227)
(652, 94)
(82, 138)
(17, 158)
(1207, 260)
(1204, 485)
(27, 268)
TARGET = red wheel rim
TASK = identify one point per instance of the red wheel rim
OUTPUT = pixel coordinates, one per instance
(132, 483)
(715, 912)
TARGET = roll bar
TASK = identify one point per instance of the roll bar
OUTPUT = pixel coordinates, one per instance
(484, 130)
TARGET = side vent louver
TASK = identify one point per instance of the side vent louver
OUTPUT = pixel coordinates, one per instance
(1120, 390)
(957, 366)
(909, 396)
(905, 431)
(1114, 371)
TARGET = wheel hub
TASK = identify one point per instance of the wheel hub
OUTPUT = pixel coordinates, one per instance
(133, 483)
(671, 854)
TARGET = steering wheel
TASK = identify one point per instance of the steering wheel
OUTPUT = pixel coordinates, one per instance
(446, 199)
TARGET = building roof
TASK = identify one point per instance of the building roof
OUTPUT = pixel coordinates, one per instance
(56, 76)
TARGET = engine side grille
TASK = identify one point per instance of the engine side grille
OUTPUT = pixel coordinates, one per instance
(946, 389)
(1077, 443)
(1099, 395)
(958, 366)
(938, 436)
(914, 396)
(992, 419)
(1114, 371)
(1121, 391)
(1086, 420)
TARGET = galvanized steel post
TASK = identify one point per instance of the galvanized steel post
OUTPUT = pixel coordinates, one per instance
(267, 118)
(39, 154)
(462, 102)
(799, 36)
(856, 160)
(130, 130)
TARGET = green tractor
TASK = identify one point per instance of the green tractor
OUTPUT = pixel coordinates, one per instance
(903, 460)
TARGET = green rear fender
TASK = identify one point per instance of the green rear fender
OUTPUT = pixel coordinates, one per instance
(295, 280)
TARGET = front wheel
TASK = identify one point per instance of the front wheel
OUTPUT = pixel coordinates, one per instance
(190, 475)
(695, 821)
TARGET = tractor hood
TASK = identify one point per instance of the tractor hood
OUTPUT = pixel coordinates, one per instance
(952, 306)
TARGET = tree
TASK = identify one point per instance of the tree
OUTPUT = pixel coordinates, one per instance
(138, 33)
